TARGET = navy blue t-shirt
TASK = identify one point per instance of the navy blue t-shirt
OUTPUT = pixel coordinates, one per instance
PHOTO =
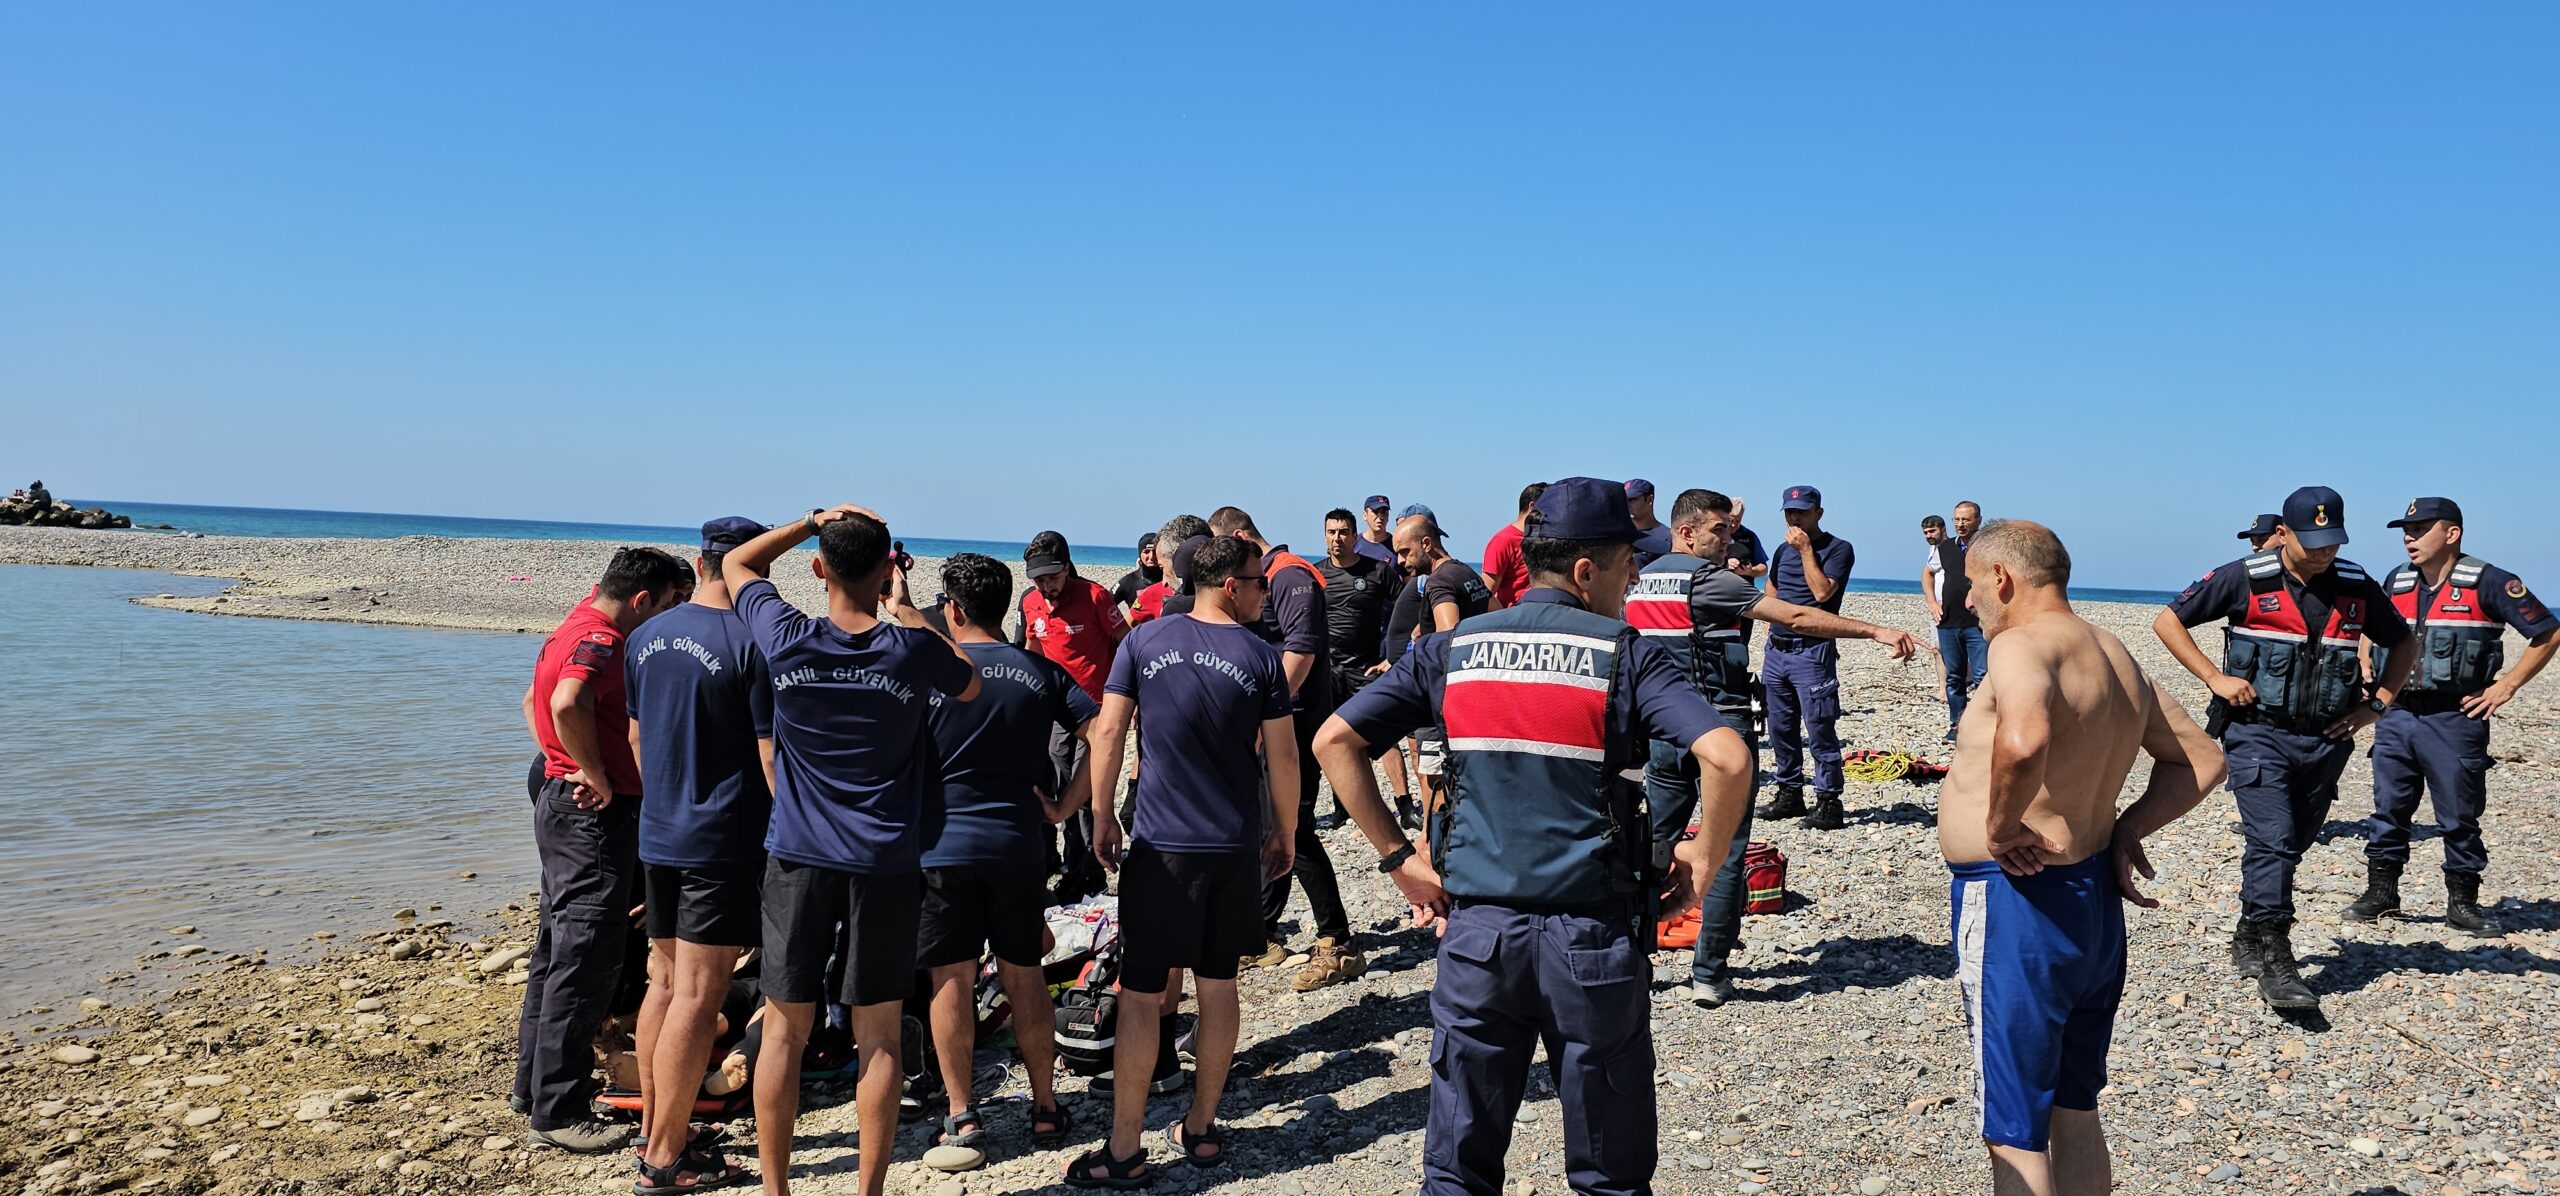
(852, 759)
(1203, 692)
(1653, 698)
(995, 758)
(698, 690)
(1786, 576)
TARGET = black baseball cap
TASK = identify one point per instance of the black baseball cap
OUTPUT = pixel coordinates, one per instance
(1375, 502)
(2428, 510)
(1585, 509)
(1042, 564)
(1146, 541)
(1802, 498)
(2316, 516)
(729, 532)
(2265, 525)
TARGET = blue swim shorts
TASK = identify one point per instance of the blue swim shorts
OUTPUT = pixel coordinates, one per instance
(2041, 962)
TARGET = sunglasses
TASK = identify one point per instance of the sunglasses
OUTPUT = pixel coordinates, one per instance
(1250, 579)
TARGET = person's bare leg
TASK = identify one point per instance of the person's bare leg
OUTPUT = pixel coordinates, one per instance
(955, 1030)
(786, 1036)
(1213, 1050)
(875, 1090)
(644, 1038)
(2080, 1163)
(700, 977)
(1036, 1037)
(1397, 780)
(1133, 1063)
(2016, 1172)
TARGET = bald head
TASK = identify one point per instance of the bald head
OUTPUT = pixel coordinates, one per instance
(1417, 544)
(2028, 550)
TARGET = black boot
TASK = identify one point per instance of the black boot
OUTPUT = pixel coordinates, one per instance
(2381, 891)
(1408, 813)
(1785, 801)
(2247, 956)
(2462, 906)
(1826, 812)
(2280, 983)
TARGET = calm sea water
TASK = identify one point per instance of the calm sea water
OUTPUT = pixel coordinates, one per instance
(264, 521)
(366, 525)
(257, 779)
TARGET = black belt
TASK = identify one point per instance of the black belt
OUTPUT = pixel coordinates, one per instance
(2430, 701)
(2253, 716)
(1605, 911)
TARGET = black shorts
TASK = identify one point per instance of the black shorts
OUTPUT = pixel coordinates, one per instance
(716, 905)
(1179, 910)
(803, 907)
(996, 906)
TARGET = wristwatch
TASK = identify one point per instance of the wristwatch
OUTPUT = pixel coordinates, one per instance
(1395, 859)
(2377, 705)
(812, 519)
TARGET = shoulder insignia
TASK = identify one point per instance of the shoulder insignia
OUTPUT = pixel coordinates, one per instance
(2515, 587)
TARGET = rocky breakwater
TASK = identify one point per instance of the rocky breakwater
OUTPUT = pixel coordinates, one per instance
(49, 512)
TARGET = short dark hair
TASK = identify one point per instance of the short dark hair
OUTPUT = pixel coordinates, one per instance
(710, 570)
(1693, 505)
(1219, 559)
(1227, 521)
(1930, 521)
(853, 547)
(1547, 556)
(1344, 514)
(980, 586)
(643, 570)
(1529, 494)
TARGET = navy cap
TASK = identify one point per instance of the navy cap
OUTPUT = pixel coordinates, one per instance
(1376, 502)
(1638, 488)
(2316, 516)
(1042, 564)
(1182, 554)
(1584, 509)
(1802, 498)
(2264, 526)
(729, 532)
(2427, 510)
(1412, 509)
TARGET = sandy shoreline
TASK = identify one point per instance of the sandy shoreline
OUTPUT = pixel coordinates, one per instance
(1845, 1067)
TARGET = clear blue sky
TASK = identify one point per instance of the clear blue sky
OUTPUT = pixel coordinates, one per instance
(2136, 272)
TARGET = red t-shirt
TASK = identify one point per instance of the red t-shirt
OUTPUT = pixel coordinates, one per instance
(1504, 568)
(1149, 604)
(588, 647)
(1079, 631)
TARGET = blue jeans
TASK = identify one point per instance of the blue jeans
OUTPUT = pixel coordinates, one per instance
(1966, 654)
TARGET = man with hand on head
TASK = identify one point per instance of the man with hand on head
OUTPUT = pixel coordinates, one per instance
(1689, 602)
(853, 766)
(2437, 732)
(1540, 858)
(1214, 824)
(982, 847)
(2289, 697)
(586, 826)
(2041, 859)
(1075, 623)
(701, 705)
(1294, 621)
(1801, 673)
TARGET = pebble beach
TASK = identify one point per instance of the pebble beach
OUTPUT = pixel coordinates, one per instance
(381, 1065)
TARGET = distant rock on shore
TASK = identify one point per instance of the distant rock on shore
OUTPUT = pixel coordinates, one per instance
(50, 512)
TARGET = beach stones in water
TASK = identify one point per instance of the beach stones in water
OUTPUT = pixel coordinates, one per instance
(75, 1055)
(955, 1158)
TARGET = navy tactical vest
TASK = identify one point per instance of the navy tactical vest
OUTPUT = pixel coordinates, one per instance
(2306, 678)
(1716, 659)
(1536, 814)
(2461, 646)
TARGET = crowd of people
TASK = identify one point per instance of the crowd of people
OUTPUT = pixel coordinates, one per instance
(853, 812)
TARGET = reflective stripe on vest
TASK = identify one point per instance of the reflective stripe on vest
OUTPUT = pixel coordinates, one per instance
(2461, 646)
(1525, 706)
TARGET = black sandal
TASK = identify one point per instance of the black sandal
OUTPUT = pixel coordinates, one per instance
(1190, 1149)
(953, 1135)
(1096, 1168)
(707, 1171)
(1049, 1127)
(698, 1136)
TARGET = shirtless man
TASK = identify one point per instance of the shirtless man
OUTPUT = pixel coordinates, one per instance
(2029, 825)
